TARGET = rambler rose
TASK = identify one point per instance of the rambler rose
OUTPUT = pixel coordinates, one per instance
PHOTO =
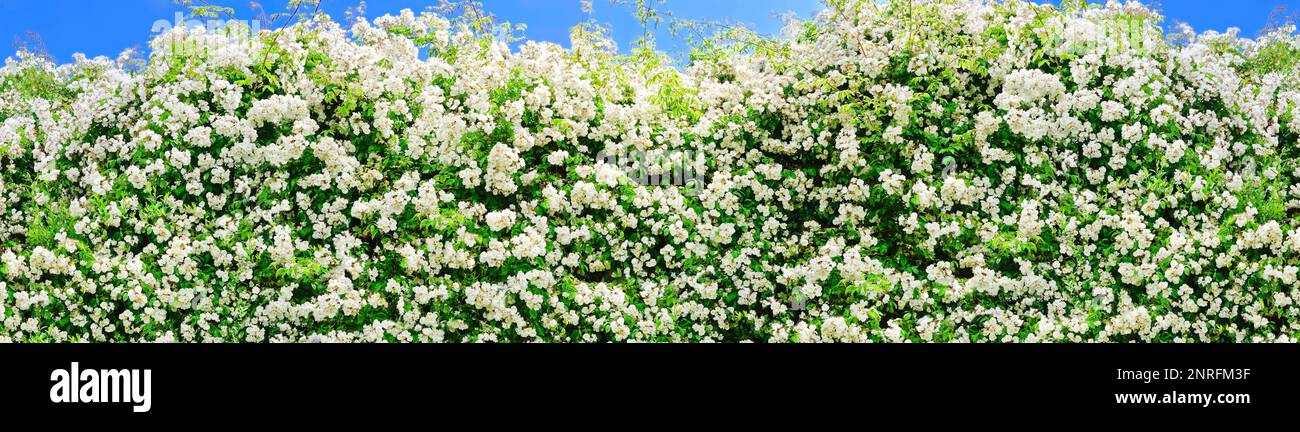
(910, 170)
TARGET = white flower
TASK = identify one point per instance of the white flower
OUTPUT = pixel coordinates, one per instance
(607, 174)
(557, 157)
(499, 220)
(503, 162)
(1113, 187)
(277, 109)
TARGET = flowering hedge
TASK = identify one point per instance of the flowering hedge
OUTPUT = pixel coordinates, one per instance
(944, 170)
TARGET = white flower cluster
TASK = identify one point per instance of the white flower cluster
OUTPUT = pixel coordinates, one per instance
(926, 171)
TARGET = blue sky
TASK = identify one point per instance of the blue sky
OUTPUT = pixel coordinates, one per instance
(106, 27)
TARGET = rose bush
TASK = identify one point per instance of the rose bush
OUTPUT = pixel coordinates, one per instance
(943, 170)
